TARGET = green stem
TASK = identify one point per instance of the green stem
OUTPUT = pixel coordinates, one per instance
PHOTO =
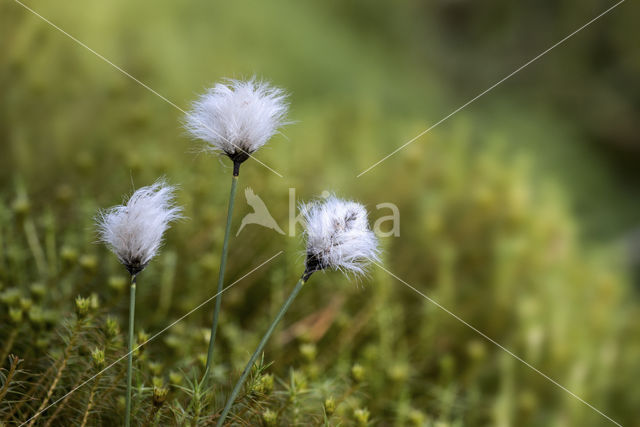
(132, 309)
(35, 247)
(223, 263)
(258, 350)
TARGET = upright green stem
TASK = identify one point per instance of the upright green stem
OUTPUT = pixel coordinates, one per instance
(258, 350)
(223, 263)
(35, 247)
(132, 310)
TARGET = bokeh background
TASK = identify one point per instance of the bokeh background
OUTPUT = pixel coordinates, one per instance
(520, 214)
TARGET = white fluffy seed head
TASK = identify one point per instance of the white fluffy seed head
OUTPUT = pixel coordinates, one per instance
(237, 117)
(134, 231)
(338, 236)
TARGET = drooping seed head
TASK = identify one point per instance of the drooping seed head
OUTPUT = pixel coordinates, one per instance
(134, 231)
(338, 236)
(237, 117)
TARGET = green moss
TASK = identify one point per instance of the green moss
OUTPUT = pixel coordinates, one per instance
(491, 228)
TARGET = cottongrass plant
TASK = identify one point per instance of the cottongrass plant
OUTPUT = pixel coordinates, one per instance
(235, 118)
(337, 237)
(134, 232)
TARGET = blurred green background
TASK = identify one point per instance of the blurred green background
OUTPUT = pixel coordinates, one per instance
(519, 214)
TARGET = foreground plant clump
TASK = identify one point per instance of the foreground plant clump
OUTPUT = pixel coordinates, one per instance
(343, 355)
(482, 234)
(235, 120)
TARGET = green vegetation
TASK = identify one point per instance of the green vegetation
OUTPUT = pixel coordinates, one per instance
(497, 224)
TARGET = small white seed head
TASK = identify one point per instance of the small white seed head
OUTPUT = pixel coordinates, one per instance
(338, 236)
(134, 231)
(237, 117)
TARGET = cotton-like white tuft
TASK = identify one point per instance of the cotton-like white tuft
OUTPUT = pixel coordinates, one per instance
(134, 231)
(238, 117)
(338, 236)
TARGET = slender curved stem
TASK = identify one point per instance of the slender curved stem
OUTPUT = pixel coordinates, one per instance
(259, 349)
(223, 264)
(35, 247)
(132, 310)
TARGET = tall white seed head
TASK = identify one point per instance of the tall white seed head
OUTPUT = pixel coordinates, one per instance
(237, 117)
(338, 236)
(134, 231)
